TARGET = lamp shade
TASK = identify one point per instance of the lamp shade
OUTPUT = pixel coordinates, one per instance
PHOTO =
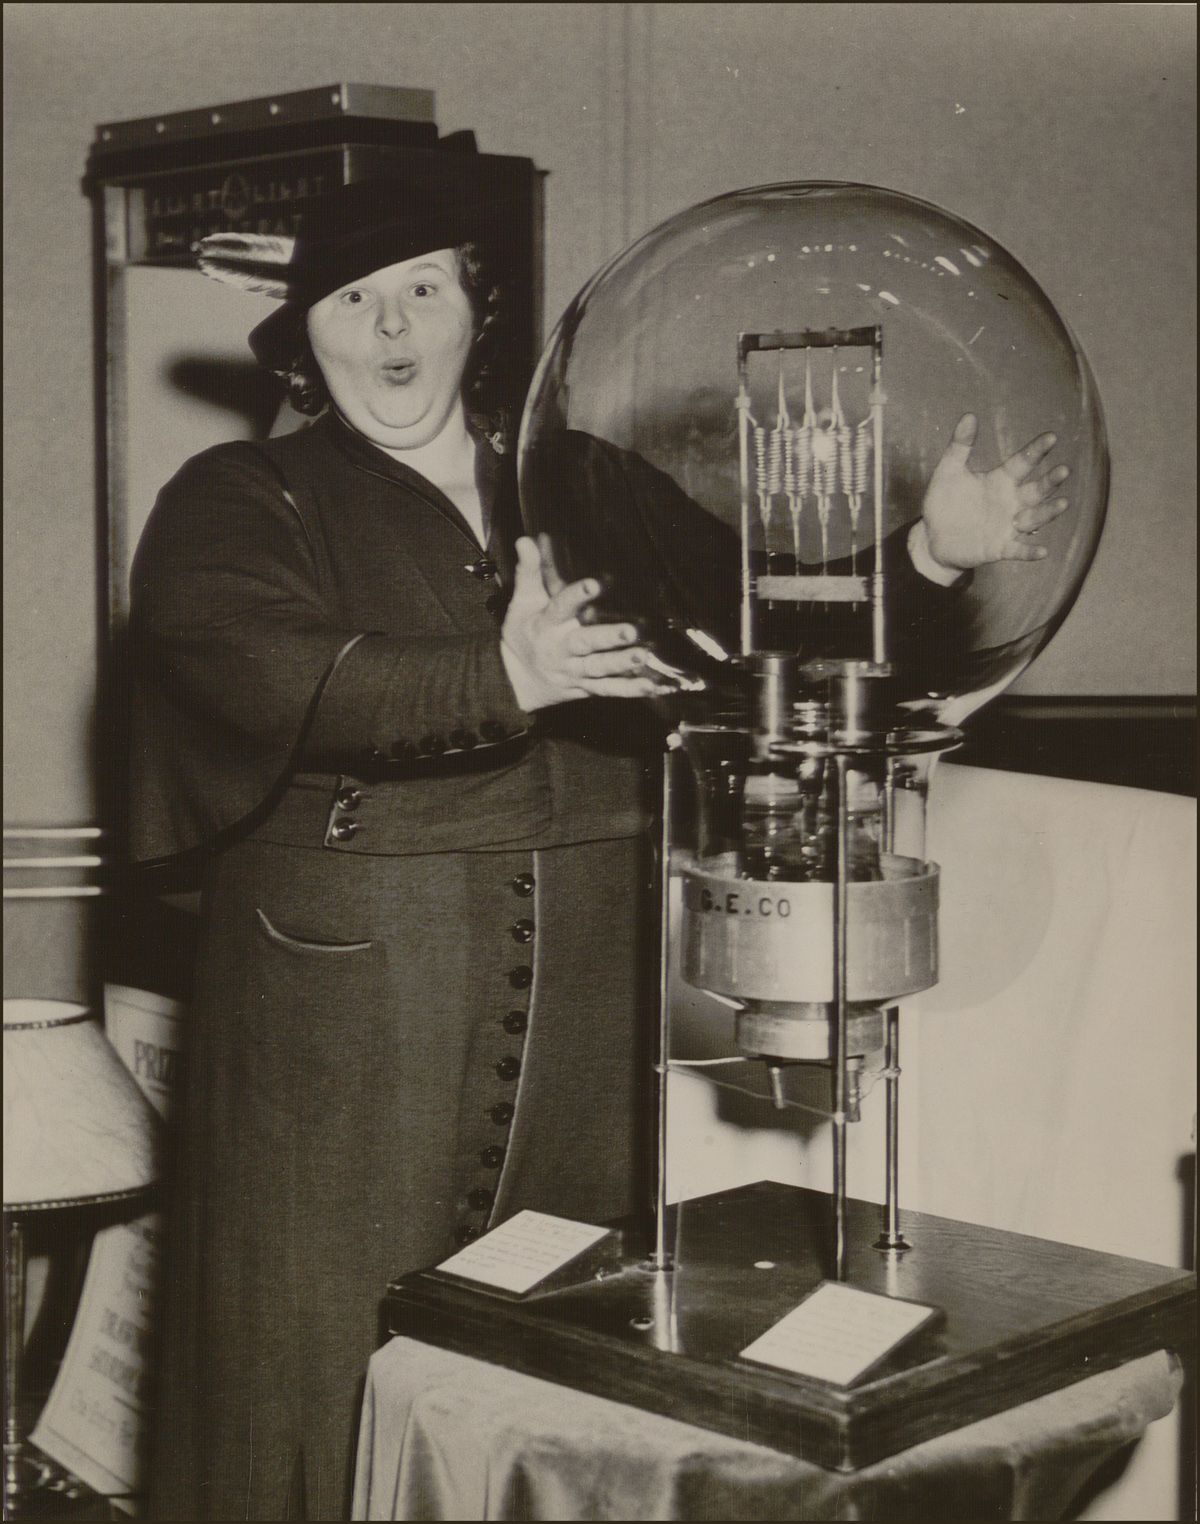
(76, 1127)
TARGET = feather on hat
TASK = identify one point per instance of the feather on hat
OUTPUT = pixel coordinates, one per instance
(251, 261)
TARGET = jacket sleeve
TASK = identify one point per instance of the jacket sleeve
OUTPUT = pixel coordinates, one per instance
(235, 620)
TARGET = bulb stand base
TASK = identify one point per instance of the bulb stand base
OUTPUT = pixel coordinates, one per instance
(886, 1244)
(748, 1256)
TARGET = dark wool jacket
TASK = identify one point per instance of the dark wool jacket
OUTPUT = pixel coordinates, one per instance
(309, 604)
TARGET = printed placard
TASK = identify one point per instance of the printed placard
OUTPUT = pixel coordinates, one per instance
(838, 1333)
(523, 1251)
(95, 1420)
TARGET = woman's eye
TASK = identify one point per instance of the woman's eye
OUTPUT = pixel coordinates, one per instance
(424, 289)
(352, 298)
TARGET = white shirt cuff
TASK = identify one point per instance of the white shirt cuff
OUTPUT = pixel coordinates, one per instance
(918, 550)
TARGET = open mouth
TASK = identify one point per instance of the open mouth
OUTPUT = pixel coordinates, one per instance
(398, 372)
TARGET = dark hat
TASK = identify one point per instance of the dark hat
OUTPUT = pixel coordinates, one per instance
(342, 236)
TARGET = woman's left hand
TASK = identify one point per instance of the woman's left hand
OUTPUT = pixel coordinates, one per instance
(552, 656)
(969, 519)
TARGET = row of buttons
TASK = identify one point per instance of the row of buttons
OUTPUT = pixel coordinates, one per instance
(508, 1069)
(479, 1198)
(491, 733)
(349, 796)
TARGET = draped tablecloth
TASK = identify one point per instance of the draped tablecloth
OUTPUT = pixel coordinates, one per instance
(446, 1436)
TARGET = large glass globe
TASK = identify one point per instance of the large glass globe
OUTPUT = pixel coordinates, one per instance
(728, 381)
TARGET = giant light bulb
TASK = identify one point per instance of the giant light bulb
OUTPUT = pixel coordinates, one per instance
(631, 462)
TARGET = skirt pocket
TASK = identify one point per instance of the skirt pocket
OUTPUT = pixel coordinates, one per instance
(304, 944)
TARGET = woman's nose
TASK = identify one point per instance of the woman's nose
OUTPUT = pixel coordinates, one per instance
(393, 319)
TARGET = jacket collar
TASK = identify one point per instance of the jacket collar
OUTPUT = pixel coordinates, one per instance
(497, 486)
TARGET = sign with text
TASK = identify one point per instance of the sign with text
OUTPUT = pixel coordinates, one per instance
(170, 212)
(523, 1252)
(839, 1333)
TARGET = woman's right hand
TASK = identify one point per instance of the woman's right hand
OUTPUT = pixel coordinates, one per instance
(552, 657)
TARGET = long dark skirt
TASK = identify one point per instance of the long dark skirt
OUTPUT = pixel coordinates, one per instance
(384, 1056)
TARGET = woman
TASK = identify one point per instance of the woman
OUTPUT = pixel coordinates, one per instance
(415, 1005)
(416, 993)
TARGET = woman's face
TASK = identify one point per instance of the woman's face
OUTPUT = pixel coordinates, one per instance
(392, 348)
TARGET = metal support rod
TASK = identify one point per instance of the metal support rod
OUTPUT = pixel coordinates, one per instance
(893, 1123)
(891, 1238)
(879, 622)
(661, 1258)
(840, 905)
(743, 407)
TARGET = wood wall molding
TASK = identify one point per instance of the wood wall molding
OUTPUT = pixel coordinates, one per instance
(1137, 742)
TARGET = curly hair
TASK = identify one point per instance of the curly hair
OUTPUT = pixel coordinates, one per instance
(484, 382)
